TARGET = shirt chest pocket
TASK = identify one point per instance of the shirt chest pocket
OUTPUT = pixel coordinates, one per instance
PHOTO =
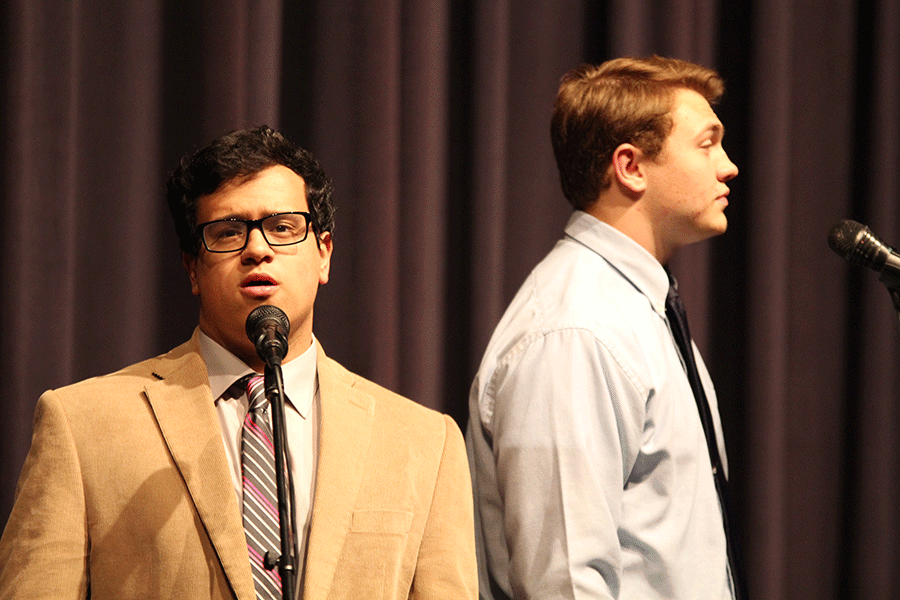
(378, 560)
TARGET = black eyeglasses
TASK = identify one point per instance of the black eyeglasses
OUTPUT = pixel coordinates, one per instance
(231, 235)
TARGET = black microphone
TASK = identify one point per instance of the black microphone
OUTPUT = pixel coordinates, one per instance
(268, 328)
(856, 243)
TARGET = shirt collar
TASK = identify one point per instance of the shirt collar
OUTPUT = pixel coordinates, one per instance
(224, 368)
(628, 257)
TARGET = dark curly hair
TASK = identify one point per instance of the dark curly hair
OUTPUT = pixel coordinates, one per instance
(239, 154)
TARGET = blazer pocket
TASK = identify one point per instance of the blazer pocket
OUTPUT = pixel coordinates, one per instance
(381, 521)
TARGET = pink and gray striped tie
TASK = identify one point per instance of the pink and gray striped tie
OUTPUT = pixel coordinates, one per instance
(260, 503)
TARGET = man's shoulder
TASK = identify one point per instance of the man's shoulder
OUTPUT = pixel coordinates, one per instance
(574, 290)
(388, 406)
(575, 281)
(137, 376)
(577, 299)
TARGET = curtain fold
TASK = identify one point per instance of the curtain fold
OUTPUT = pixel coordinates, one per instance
(432, 118)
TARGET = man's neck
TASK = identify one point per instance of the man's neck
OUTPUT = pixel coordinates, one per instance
(626, 215)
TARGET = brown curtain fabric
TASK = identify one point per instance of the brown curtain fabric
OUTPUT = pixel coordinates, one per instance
(432, 118)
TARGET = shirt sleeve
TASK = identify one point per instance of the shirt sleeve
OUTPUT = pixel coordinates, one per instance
(566, 427)
(44, 548)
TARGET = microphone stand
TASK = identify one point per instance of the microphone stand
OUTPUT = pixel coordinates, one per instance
(895, 298)
(891, 281)
(274, 385)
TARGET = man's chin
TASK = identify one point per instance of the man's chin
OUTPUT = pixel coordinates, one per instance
(717, 225)
(710, 231)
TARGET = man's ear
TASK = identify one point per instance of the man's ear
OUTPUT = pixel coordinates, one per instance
(628, 168)
(190, 265)
(325, 249)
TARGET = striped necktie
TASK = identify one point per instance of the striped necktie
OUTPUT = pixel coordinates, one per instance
(260, 503)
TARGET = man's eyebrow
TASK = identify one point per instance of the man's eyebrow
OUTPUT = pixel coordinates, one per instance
(716, 130)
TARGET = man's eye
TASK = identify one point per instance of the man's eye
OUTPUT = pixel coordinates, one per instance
(228, 232)
(283, 227)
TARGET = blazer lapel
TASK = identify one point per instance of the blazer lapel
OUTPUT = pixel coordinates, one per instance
(185, 411)
(345, 427)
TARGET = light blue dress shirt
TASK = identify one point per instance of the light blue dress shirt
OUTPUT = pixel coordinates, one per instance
(591, 473)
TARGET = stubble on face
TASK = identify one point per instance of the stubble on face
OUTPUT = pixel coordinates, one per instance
(687, 194)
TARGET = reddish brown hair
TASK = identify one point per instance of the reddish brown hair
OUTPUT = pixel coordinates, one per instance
(625, 100)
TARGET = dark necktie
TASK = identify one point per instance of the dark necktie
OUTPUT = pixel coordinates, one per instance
(261, 523)
(682, 334)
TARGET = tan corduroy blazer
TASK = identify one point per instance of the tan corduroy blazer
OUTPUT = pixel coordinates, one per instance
(126, 493)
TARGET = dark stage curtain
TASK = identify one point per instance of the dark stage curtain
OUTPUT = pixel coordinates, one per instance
(432, 118)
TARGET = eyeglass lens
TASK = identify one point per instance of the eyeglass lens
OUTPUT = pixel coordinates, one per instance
(278, 230)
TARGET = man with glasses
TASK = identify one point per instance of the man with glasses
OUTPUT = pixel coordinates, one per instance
(134, 485)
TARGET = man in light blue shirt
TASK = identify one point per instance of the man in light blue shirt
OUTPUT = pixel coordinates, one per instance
(592, 475)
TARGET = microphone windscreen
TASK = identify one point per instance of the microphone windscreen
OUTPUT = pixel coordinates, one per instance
(264, 316)
(845, 237)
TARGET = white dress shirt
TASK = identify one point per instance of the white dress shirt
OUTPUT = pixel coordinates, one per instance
(591, 473)
(301, 420)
